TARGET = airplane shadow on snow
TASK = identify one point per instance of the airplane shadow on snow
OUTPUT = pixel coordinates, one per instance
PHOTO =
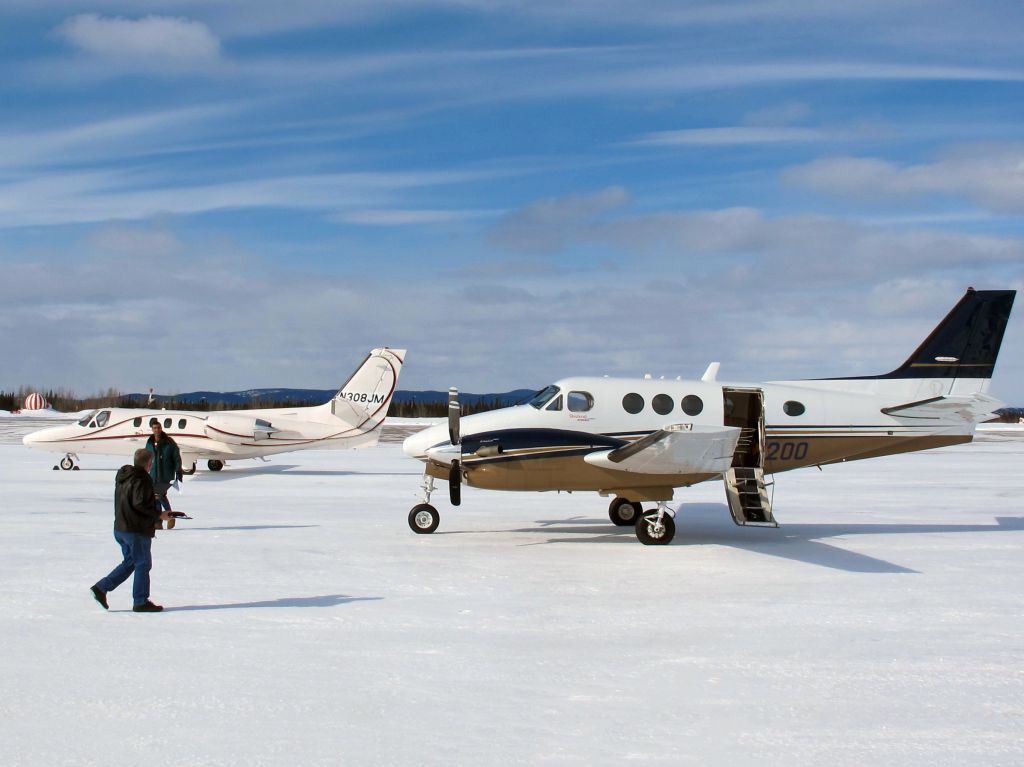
(291, 470)
(710, 523)
(329, 600)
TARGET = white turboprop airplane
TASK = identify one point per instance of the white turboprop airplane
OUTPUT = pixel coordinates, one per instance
(351, 419)
(637, 440)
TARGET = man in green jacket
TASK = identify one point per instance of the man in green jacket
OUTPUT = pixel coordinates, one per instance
(166, 465)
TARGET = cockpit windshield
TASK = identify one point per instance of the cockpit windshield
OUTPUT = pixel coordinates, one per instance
(85, 421)
(541, 398)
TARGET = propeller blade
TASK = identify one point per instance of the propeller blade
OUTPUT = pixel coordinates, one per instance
(454, 413)
(455, 483)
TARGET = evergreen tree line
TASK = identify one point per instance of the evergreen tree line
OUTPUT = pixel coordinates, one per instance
(66, 401)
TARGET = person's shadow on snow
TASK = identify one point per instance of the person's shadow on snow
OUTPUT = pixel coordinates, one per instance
(330, 600)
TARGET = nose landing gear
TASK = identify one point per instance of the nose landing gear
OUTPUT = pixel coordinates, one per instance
(68, 463)
(423, 518)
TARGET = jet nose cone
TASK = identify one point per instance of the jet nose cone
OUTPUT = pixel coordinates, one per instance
(30, 440)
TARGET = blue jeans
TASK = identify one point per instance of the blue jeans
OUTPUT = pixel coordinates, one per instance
(138, 558)
(163, 503)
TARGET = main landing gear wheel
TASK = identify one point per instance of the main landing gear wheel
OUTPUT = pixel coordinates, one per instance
(651, 532)
(424, 518)
(215, 465)
(624, 512)
(189, 472)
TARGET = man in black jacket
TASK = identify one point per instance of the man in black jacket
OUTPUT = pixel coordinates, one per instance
(135, 517)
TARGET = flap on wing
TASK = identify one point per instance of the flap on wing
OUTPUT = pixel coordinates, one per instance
(970, 408)
(677, 449)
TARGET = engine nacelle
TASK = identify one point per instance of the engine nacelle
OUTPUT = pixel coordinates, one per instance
(237, 429)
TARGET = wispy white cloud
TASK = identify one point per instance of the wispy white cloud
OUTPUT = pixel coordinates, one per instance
(64, 198)
(408, 217)
(736, 135)
(151, 41)
(989, 176)
(546, 226)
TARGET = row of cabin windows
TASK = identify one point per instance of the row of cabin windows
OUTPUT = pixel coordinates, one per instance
(691, 404)
(167, 422)
(580, 402)
(663, 404)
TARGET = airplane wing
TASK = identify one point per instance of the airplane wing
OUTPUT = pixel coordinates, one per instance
(676, 449)
(969, 408)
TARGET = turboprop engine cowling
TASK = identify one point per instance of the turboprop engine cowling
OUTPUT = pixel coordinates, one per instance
(237, 429)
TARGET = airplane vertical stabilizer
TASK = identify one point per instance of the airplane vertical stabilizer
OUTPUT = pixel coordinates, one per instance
(958, 356)
(364, 399)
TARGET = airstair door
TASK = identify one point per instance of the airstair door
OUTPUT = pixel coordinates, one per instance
(744, 482)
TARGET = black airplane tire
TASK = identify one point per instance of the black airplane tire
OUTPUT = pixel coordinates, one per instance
(66, 463)
(647, 538)
(189, 472)
(624, 512)
(424, 519)
(215, 465)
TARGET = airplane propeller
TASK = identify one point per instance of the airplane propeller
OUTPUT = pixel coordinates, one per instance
(455, 471)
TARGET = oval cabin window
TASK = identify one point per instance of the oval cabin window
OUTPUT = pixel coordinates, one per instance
(793, 408)
(692, 404)
(633, 403)
(662, 404)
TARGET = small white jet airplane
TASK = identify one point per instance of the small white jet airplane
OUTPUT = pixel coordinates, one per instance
(637, 440)
(351, 419)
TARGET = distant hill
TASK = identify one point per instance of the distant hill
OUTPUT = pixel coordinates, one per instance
(318, 396)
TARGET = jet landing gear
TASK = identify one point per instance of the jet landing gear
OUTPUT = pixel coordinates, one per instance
(423, 518)
(624, 512)
(68, 463)
(214, 465)
(657, 527)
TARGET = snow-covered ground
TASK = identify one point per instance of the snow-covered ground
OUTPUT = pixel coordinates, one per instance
(307, 625)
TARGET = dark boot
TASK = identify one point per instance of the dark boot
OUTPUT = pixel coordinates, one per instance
(147, 607)
(99, 595)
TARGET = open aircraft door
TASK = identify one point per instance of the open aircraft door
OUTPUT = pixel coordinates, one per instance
(744, 481)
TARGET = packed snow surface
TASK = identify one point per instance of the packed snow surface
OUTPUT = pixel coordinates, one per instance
(305, 624)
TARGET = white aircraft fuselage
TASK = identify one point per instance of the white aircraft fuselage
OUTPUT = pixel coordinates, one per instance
(639, 439)
(351, 419)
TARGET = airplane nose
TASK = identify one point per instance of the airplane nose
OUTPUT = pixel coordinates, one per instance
(415, 445)
(29, 440)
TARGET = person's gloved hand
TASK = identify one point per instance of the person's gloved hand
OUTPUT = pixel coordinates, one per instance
(179, 475)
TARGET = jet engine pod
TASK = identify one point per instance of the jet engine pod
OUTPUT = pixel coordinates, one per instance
(237, 429)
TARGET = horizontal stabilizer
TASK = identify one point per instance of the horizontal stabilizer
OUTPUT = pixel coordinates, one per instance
(677, 449)
(970, 409)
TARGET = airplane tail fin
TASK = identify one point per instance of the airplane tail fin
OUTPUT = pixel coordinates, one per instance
(364, 399)
(959, 355)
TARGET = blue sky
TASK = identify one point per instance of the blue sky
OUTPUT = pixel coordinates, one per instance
(227, 194)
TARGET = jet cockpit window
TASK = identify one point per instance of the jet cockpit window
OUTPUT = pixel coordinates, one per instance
(556, 403)
(85, 421)
(579, 401)
(540, 399)
(102, 418)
